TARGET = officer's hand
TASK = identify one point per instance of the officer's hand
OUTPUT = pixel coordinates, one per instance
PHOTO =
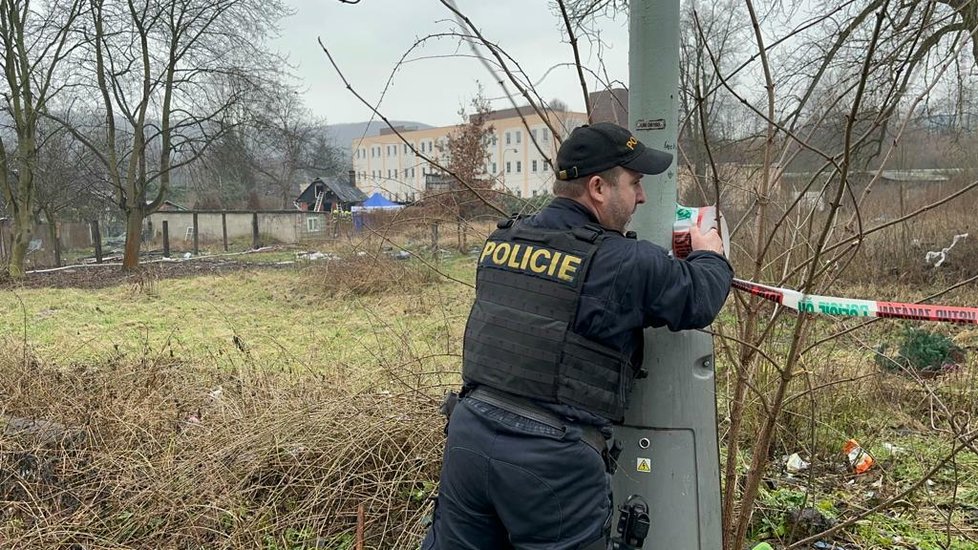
(705, 241)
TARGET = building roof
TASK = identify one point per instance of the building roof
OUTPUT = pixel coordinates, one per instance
(343, 191)
(917, 175)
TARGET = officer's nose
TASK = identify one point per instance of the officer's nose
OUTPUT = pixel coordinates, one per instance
(640, 196)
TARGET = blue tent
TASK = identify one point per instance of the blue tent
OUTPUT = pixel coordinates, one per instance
(377, 201)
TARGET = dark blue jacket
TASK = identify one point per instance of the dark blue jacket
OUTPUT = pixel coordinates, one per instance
(634, 284)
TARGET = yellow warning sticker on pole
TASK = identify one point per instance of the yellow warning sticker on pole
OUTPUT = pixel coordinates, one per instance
(643, 465)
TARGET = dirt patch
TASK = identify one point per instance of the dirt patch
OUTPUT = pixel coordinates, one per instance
(107, 275)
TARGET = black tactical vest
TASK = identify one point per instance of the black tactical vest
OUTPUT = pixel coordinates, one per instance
(518, 337)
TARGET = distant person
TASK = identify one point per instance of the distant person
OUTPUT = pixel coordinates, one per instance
(552, 346)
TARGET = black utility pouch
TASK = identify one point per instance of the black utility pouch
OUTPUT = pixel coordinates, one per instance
(447, 406)
(610, 456)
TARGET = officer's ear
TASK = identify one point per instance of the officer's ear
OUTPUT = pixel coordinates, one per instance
(598, 189)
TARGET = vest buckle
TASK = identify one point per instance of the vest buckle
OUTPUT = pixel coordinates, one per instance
(588, 233)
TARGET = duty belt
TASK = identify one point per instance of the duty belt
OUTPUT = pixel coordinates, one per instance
(591, 435)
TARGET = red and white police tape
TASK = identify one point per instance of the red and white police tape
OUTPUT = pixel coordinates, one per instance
(846, 307)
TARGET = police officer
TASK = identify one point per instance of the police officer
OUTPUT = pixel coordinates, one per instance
(552, 345)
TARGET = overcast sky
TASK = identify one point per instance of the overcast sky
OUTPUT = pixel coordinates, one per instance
(368, 38)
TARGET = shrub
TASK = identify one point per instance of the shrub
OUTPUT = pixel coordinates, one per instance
(922, 351)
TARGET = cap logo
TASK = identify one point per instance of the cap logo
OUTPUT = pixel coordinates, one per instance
(631, 143)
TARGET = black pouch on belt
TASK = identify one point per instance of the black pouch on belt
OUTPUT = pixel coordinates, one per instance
(610, 456)
(448, 406)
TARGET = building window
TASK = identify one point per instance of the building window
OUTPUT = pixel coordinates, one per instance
(533, 166)
(494, 168)
(519, 166)
(508, 138)
(546, 167)
(534, 132)
(519, 136)
(545, 136)
(509, 167)
(493, 139)
(519, 193)
(405, 148)
(534, 192)
(314, 224)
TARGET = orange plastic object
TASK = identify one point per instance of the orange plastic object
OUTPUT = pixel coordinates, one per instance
(859, 459)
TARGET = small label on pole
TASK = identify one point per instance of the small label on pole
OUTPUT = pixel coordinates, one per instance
(643, 465)
(655, 124)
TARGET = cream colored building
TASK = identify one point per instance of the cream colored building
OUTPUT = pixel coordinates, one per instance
(516, 157)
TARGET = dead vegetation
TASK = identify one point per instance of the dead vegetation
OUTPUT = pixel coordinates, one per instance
(362, 273)
(159, 453)
(190, 452)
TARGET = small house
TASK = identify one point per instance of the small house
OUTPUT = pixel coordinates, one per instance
(326, 195)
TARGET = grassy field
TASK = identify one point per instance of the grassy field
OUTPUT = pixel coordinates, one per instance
(285, 319)
(260, 408)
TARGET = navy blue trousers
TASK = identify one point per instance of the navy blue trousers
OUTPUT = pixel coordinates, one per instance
(510, 482)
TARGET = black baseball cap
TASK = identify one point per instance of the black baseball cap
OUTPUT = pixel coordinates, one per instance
(597, 147)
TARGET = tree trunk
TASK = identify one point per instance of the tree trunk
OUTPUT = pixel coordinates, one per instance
(55, 237)
(23, 230)
(134, 237)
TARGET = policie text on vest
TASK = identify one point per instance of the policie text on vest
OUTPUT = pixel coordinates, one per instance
(540, 261)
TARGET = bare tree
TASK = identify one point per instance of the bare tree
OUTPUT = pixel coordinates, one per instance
(465, 153)
(35, 42)
(68, 177)
(707, 114)
(225, 176)
(829, 109)
(290, 146)
(164, 85)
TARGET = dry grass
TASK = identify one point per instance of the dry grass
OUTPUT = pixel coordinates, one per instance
(165, 454)
(282, 457)
(364, 273)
